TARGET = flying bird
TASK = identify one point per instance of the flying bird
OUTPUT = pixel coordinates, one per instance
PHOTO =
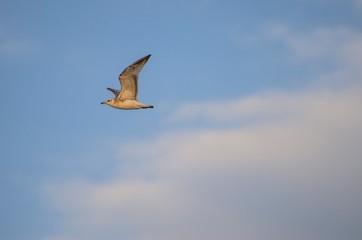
(126, 99)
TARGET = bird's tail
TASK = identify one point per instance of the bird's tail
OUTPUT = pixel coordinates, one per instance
(142, 105)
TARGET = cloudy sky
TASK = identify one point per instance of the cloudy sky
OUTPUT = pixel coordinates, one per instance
(256, 132)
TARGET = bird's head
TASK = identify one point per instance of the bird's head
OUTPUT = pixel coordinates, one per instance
(109, 102)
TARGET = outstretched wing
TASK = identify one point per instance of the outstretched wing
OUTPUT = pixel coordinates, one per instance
(129, 77)
(114, 91)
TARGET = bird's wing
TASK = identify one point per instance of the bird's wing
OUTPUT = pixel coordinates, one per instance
(114, 91)
(129, 77)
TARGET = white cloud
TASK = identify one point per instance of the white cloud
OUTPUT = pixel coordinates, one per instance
(287, 168)
(245, 182)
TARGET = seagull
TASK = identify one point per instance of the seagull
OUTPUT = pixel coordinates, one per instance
(126, 99)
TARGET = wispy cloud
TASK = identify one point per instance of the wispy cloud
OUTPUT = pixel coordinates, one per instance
(337, 45)
(340, 47)
(11, 46)
(14, 48)
(358, 3)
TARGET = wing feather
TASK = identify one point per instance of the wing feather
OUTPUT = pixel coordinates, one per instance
(114, 91)
(129, 79)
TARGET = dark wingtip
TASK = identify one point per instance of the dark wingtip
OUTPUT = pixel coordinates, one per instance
(147, 57)
(142, 59)
(150, 106)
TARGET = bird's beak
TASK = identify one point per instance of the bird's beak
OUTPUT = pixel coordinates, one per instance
(102, 102)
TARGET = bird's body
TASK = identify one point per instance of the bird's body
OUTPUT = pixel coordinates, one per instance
(126, 99)
(127, 104)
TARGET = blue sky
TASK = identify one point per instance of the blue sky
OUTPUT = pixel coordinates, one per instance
(255, 133)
